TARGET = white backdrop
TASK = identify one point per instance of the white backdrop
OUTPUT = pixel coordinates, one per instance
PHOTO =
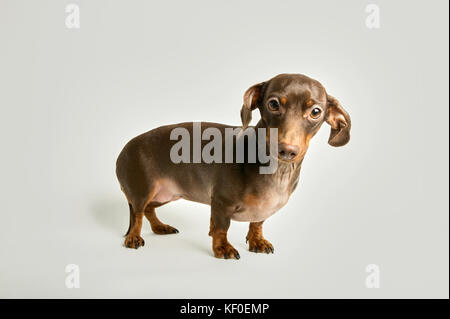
(72, 98)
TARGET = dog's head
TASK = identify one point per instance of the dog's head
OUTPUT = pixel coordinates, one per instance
(297, 106)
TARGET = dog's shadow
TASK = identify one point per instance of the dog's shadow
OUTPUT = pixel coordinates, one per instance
(112, 214)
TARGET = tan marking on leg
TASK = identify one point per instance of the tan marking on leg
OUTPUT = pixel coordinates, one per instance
(221, 247)
(134, 239)
(256, 240)
(157, 226)
(211, 227)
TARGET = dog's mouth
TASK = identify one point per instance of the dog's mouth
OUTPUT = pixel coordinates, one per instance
(289, 161)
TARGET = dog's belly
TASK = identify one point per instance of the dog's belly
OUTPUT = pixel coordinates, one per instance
(257, 209)
(168, 190)
(252, 207)
(253, 215)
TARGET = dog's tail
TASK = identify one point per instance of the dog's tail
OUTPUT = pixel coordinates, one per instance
(131, 219)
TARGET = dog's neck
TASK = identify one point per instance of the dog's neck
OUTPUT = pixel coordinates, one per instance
(286, 171)
(287, 174)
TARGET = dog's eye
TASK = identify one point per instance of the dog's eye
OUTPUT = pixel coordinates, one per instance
(274, 105)
(315, 113)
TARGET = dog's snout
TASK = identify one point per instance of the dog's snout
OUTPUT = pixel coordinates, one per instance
(287, 152)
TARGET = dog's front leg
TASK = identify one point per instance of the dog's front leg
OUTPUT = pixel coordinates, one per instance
(257, 242)
(220, 222)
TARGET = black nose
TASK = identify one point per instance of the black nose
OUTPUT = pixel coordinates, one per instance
(287, 152)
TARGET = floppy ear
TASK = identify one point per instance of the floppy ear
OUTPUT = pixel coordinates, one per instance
(251, 99)
(339, 121)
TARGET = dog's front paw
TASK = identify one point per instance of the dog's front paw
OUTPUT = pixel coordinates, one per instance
(226, 251)
(134, 241)
(260, 245)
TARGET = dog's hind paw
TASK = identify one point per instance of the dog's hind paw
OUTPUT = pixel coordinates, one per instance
(164, 229)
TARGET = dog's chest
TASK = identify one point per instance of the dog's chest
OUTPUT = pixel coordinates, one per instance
(258, 206)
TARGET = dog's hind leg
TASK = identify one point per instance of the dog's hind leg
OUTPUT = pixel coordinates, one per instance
(158, 227)
(133, 237)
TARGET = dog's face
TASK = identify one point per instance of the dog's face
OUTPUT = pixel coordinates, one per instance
(297, 106)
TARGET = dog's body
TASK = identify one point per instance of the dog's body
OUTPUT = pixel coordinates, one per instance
(235, 191)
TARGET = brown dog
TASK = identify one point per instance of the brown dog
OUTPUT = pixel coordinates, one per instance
(294, 104)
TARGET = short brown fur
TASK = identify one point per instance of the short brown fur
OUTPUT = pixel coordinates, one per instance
(235, 191)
